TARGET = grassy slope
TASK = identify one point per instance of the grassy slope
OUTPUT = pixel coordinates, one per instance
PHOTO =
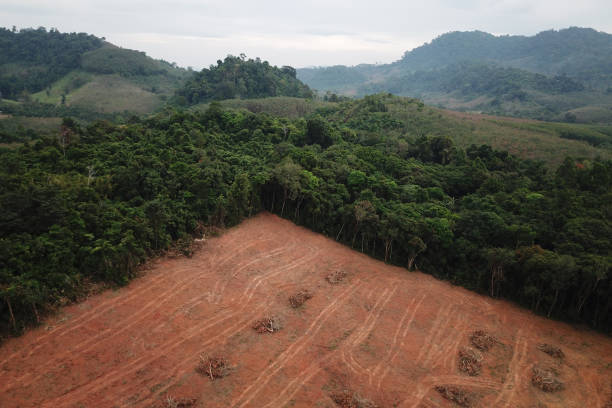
(115, 80)
(112, 93)
(102, 93)
(524, 138)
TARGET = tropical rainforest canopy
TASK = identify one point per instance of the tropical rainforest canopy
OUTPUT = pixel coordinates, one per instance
(96, 201)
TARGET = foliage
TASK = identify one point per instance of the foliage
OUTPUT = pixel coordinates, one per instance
(242, 78)
(30, 60)
(97, 201)
(113, 60)
(45, 110)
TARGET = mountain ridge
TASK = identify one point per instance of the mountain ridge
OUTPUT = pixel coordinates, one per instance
(581, 55)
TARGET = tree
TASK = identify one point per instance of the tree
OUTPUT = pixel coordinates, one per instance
(287, 175)
(318, 131)
(414, 246)
(499, 259)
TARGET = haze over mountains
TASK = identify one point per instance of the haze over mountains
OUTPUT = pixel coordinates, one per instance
(560, 75)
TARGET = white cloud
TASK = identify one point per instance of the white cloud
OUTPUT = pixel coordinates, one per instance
(198, 32)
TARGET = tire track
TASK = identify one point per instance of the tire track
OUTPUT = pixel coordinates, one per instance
(506, 396)
(180, 366)
(391, 349)
(220, 315)
(293, 387)
(108, 379)
(145, 312)
(295, 348)
(447, 349)
(155, 282)
(365, 330)
(368, 329)
(426, 385)
(441, 319)
(248, 292)
(402, 344)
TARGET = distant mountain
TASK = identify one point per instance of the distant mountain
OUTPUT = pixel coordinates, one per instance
(580, 53)
(564, 74)
(81, 71)
(238, 77)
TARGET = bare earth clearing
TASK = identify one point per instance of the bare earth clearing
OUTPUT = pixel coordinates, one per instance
(388, 335)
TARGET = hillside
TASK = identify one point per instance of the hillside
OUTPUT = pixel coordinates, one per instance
(94, 203)
(383, 118)
(238, 77)
(142, 345)
(555, 75)
(83, 73)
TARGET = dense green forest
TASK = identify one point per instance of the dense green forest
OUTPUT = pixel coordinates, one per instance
(31, 60)
(96, 201)
(238, 77)
(555, 75)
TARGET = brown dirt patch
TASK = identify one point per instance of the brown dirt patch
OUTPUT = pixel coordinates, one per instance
(300, 298)
(390, 335)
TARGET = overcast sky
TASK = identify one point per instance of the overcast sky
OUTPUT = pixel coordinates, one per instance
(197, 33)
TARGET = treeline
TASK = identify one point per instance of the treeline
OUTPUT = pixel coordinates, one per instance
(32, 108)
(238, 77)
(32, 59)
(95, 202)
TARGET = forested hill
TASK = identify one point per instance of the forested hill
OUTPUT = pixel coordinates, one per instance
(580, 53)
(31, 60)
(80, 71)
(96, 202)
(554, 75)
(238, 77)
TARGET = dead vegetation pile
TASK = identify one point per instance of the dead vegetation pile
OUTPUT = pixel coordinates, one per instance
(172, 402)
(455, 394)
(336, 277)
(267, 325)
(482, 340)
(348, 399)
(299, 298)
(470, 361)
(213, 367)
(546, 379)
(552, 351)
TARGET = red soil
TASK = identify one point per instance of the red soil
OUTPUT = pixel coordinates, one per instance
(385, 333)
